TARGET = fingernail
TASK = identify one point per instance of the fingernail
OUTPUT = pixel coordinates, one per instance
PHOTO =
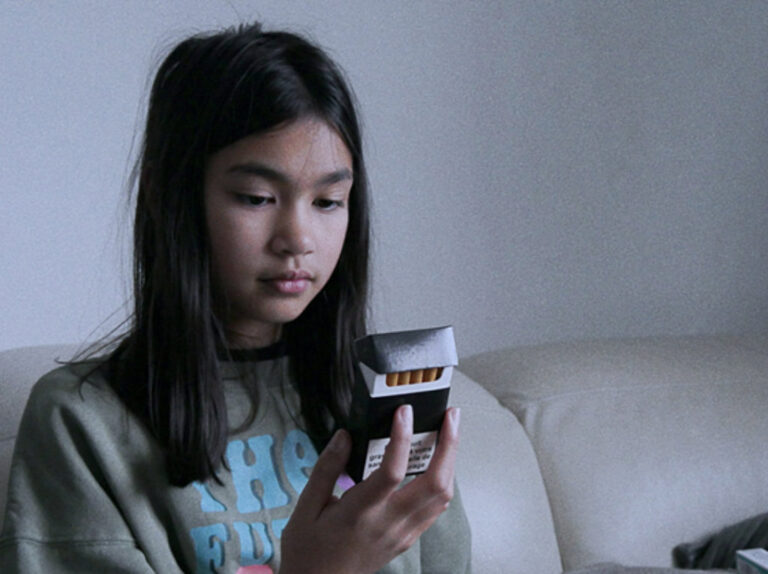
(455, 418)
(406, 414)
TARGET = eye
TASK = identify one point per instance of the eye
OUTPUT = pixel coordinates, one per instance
(253, 200)
(328, 204)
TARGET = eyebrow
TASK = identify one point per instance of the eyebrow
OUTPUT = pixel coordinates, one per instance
(259, 170)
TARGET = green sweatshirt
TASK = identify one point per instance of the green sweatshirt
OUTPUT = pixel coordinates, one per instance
(88, 491)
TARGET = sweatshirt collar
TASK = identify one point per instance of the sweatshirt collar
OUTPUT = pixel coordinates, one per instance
(273, 351)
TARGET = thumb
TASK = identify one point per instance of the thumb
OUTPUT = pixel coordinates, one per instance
(330, 464)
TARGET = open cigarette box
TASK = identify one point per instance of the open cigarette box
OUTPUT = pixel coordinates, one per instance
(405, 367)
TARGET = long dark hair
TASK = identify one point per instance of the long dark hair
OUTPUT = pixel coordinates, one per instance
(211, 91)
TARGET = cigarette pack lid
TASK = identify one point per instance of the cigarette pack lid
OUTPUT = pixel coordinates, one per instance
(407, 350)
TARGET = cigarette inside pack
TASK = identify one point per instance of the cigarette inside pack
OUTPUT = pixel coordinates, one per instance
(404, 367)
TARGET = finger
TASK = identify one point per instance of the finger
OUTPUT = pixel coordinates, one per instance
(395, 462)
(444, 459)
(426, 497)
(435, 486)
(330, 464)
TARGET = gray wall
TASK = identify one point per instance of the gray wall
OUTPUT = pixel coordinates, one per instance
(541, 170)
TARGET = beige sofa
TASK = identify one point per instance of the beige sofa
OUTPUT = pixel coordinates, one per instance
(582, 452)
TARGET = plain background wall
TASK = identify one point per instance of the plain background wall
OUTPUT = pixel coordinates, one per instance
(541, 170)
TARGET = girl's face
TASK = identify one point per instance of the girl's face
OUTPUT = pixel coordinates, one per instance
(277, 212)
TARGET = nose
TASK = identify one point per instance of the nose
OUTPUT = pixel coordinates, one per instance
(292, 233)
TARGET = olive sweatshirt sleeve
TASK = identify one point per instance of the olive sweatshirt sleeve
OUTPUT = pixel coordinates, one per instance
(63, 514)
(446, 547)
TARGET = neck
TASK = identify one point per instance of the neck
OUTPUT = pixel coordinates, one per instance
(253, 339)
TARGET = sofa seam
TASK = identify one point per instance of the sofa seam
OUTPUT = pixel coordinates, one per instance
(522, 398)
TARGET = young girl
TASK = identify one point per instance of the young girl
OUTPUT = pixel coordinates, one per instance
(193, 445)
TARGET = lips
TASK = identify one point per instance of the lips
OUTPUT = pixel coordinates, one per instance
(289, 282)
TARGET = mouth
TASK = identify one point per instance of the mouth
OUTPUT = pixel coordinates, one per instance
(290, 282)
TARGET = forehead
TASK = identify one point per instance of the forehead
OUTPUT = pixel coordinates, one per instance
(305, 147)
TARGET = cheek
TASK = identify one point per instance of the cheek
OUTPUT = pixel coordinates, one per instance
(340, 237)
(231, 251)
(234, 238)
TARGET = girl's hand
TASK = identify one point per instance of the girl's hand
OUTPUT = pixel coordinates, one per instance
(374, 521)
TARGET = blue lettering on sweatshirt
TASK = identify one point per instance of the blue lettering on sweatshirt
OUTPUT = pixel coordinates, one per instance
(207, 502)
(255, 478)
(252, 552)
(209, 546)
(262, 471)
(298, 454)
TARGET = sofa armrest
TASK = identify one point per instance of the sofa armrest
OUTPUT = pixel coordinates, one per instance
(501, 487)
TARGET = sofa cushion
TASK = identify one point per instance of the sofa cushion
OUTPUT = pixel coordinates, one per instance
(642, 443)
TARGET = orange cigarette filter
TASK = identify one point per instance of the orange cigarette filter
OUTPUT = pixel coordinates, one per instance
(416, 376)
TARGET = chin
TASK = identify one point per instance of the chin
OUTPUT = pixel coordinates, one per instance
(283, 316)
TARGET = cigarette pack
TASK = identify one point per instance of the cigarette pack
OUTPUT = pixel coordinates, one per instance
(404, 367)
(752, 561)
